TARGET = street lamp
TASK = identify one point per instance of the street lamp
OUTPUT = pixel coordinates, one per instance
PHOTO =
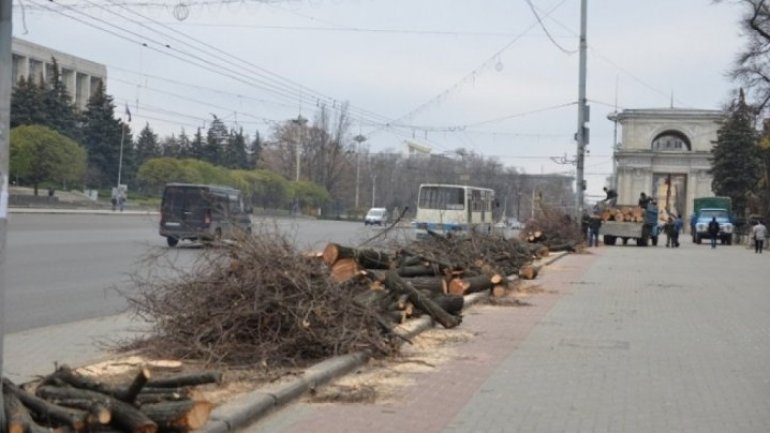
(299, 122)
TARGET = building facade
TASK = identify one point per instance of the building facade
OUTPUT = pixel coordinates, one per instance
(665, 153)
(80, 76)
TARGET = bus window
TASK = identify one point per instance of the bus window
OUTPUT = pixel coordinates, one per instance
(432, 197)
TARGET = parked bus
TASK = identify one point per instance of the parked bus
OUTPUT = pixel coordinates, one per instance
(453, 209)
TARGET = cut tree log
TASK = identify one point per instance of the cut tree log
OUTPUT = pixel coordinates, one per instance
(499, 290)
(179, 416)
(187, 379)
(452, 304)
(367, 258)
(478, 283)
(98, 413)
(430, 284)
(346, 269)
(397, 284)
(528, 272)
(124, 415)
(44, 410)
(418, 271)
(17, 417)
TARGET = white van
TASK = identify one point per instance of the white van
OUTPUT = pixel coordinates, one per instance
(376, 215)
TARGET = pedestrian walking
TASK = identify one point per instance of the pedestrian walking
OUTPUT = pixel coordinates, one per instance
(593, 228)
(678, 227)
(668, 229)
(759, 233)
(713, 231)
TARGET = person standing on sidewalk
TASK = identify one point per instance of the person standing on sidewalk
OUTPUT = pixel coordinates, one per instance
(759, 233)
(713, 231)
(593, 230)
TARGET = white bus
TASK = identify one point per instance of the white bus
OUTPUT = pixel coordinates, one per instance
(453, 209)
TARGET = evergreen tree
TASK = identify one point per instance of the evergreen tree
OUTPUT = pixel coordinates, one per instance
(27, 106)
(735, 159)
(61, 114)
(235, 155)
(147, 146)
(183, 145)
(216, 140)
(197, 145)
(102, 135)
(255, 150)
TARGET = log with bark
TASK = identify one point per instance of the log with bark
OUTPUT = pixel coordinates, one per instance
(124, 415)
(396, 283)
(367, 258)
(43, 410)
(17, 417)
(179, 416)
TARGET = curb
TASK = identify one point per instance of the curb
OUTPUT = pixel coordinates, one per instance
(21, 210)
(250, 407)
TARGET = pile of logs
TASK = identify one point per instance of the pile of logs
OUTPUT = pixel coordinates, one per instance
(438, 269)
(625, 213)
(70, 402)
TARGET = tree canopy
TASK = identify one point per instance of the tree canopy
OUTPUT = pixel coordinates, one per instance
(735, 159)
(40, 154)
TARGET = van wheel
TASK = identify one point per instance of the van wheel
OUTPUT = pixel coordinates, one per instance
(172, 241)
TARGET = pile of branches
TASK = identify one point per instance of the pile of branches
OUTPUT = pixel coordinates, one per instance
(555, 229)
(474, 252)
(70, 402)
(256, 301)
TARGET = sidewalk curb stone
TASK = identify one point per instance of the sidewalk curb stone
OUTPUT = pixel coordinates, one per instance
(248, 408)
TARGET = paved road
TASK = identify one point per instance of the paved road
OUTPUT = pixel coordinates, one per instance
(67, 273)
(63, 268)
(626, 339)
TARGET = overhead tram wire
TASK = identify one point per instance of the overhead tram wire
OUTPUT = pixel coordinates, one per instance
(143, 41)
(615, 65)
(465, 78)
(278, 80)
(264, 83)
(198, 101)
(199, 87)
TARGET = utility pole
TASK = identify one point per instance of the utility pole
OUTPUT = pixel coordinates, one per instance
(300, 123)
(583, 114)
(358, 139)
(5, 130)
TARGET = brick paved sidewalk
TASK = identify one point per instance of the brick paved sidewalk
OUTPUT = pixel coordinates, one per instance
(626, 340)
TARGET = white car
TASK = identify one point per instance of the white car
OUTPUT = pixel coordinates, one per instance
(376, 216)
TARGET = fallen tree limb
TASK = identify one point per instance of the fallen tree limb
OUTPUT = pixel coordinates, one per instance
(396, 283)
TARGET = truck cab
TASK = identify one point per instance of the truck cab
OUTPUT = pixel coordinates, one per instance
(702, 219)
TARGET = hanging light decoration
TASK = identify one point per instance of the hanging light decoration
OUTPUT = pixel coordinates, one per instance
(181, 11)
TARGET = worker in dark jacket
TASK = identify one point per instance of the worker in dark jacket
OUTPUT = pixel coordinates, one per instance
(713, 231)
(593, 230)
(670, 229)
(644, 200)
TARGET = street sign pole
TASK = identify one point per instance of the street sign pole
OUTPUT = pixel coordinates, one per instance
(583, 116)
(6, 70)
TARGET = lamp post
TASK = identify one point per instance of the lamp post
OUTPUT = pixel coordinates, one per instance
(358, 139)
(374, 187)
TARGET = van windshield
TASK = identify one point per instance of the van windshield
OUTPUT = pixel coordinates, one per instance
(184, 202)
(376, 212)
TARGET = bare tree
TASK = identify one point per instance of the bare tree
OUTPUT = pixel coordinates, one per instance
(752, 66)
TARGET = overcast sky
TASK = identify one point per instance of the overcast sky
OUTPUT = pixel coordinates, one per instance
(483, 74)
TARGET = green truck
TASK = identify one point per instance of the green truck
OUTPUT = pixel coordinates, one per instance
(706, 208)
